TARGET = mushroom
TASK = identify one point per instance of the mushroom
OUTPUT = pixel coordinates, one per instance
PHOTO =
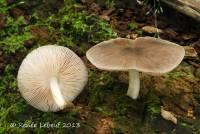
(51, 77)
(145, 54)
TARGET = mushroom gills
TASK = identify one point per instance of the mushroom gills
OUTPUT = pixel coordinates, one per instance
(134, 84)
(56, 93)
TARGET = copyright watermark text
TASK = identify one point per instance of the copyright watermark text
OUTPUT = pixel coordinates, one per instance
(46, 125)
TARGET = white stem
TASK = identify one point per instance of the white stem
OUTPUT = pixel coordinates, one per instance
(134, 84)
(56, 93)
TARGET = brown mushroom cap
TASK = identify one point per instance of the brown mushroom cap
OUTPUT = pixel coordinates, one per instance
(145, 54)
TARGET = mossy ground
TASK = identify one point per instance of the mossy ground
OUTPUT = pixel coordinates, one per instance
(103, 106)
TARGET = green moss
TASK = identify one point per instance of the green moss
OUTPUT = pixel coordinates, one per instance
(67, 27)
(8, 79)
(14, 35)
(177, 74)
(108, 99)
(3, 7)
(14, 25)
(80, 27)
(71, 27)
(15, 42)
(105, 111)
(153, 104)
(116, 105)
(132, 26)
(98, 84)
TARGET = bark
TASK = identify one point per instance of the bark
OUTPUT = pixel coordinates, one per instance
(188, 7)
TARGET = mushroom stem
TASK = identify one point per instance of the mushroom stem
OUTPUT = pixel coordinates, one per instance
(56, 93)
(134, 84)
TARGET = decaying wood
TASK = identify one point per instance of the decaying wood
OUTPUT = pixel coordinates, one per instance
(188, 7)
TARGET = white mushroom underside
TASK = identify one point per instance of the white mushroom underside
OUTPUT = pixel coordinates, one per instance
(40, 66)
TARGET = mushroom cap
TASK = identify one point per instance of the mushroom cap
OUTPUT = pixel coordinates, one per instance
(146, 54)
(40, 66)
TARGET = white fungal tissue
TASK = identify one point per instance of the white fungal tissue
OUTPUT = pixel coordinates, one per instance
(51, 77)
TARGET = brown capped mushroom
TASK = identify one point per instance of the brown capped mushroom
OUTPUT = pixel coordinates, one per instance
(51, 77)
(145, 54)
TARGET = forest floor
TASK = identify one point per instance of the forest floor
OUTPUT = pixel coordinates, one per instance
(103, 106)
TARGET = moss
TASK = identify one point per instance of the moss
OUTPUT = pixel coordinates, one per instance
(3, 7)
(98, 84)
(8, 79)
(105, 97)
(67, 27)
(9, 112)
(153, 104)
(71, 26)
(104, 110)
(132, 26)
(15, 42)
(14, 35)
(178, 74)
(80, 27)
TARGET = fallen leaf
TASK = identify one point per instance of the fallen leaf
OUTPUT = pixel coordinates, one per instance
(151, 29)
(171, 32)
(168, 116)
(190, 53)
(188, 37)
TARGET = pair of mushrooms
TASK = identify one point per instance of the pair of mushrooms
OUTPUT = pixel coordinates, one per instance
(51, 77)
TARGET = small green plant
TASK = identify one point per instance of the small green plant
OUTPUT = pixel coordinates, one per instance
(110, 3)
(132, 26)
